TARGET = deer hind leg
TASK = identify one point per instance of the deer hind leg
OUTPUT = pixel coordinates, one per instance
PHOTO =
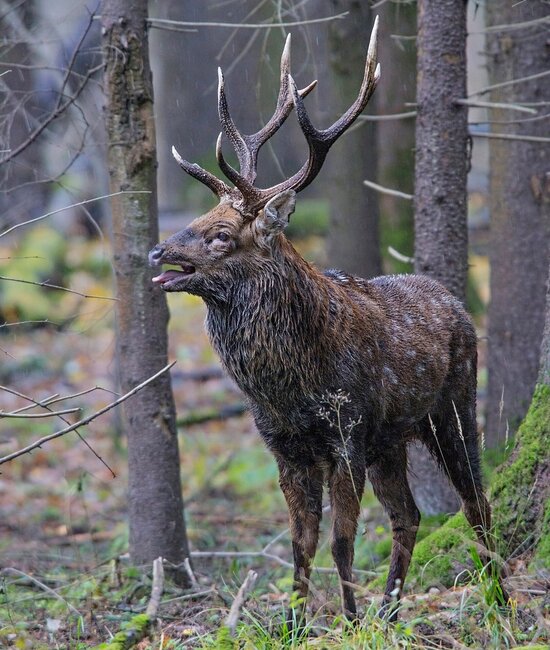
(388, 476)
(346, 485)
(303, 491)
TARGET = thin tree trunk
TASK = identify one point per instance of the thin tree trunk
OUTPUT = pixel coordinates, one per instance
(353, 241)
(441, 234)
(157, 525)
(520, 217)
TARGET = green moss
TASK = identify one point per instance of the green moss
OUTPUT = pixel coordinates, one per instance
(132, 632)
(520, 516)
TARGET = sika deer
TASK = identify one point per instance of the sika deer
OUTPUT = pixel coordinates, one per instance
(398, 352)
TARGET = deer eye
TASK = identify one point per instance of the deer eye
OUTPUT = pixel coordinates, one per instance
(223, 236)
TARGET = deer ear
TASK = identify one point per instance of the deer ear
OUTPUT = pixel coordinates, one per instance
(275, 216)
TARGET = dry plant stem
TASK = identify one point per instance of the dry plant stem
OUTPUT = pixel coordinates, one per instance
(240, 600)
(49, 590)
(86, 420)
(157, 589)
(192, 596)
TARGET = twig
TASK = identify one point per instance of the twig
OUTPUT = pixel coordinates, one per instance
(49, 414)
(511, 82)
(510, 136)
(513, 26)
(49, 590)
(206, 415)
(161, 23)
(240, 600)
(74, 205)
(157, 588)
(55, 286)
(500, 105)
(192, 596)
(399, 256)
(59, 110)
(387, 190)
(270, 556)
(85, 420)
(391, 116)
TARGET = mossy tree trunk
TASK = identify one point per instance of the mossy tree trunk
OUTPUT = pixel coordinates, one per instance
(156, 519)
(441, 233)
(521, 490)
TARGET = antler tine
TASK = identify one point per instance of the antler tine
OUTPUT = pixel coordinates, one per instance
(247, 146)
(320, 141)
(217, 186)
(250, 194)
(284, 107)
(231, 131)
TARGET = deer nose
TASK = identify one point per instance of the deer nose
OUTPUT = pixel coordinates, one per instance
(155, 255)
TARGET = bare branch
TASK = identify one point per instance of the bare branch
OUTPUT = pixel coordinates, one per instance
(55, 286)
(177, 25)
(387, 190)
(73, 205)
(59, 110)
(49, 414)
(383, 118)
(500, 105)
(510, 82)
(399, 256)
(85, 420)
(510, 136)
(513, 26)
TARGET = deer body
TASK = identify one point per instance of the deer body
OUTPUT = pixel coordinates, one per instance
(340, 372)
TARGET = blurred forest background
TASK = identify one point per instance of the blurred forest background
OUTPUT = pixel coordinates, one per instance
(63, 507)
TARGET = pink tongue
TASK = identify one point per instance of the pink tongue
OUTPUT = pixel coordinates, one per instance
(167, 275)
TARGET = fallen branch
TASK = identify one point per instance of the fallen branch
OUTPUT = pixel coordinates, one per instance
(207, 415)
(240, 600)
(157, 588)
(85, 420)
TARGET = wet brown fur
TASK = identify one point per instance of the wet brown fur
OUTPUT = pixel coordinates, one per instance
(396, 353)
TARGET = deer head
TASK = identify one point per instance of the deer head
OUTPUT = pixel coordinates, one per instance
(245, 229)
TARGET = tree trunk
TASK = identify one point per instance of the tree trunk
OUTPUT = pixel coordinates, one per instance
(520, 217)
(521, 491)
(157, 525)
(353, 240)
(441, 234)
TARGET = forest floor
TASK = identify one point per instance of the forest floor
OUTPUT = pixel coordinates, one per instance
(65, 578)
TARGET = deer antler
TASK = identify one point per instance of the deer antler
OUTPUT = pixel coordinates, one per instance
(247, 146)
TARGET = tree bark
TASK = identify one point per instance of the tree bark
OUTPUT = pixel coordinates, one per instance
(520, 218)
(353, 240)
(156, 519)
(441, 233)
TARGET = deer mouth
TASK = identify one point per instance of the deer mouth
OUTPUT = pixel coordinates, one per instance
(172, 277)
